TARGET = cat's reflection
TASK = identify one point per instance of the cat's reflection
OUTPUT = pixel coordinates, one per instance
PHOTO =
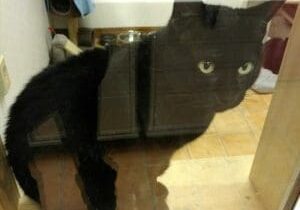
(139, 164)
(204, 60)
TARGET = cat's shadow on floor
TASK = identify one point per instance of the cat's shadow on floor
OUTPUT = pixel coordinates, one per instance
(139, 164)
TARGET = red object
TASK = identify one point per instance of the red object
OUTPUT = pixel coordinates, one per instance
(290, 9)
(274, 49)
(273, 54)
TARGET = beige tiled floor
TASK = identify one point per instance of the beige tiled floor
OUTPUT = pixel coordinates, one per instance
(210, 172)
(210, 184)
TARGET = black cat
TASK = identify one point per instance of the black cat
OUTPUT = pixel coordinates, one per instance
(203, 62)
(197, 41)
(69, 89)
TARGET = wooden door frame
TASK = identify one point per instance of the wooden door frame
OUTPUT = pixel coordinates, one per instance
(275, 172)
(9, 194)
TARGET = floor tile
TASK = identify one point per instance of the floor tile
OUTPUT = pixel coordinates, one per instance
(249, 198)
(49, 166)
(206, 146)
(212, 183)
(267, 98)
(71, 193)
(253, 103)
(133, 188)
(159, 191)
(257, 119)
(127, 154)
(239, 144)
(161, 151)
(230, 122)
(57, 182)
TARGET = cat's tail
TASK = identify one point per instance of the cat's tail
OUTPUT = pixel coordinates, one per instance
(19, 154)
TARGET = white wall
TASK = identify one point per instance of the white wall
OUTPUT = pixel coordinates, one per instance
(130, 14)
(110, 14)
(24, 40)
(135, 13)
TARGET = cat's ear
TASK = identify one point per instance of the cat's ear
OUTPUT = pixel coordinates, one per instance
(266, 9)
(207, 13)
(187, 8)
(210, 15)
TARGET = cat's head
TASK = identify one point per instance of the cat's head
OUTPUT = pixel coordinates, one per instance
(224, 43)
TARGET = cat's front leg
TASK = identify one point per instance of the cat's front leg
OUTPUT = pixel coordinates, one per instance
(95, 177)
(98, 179)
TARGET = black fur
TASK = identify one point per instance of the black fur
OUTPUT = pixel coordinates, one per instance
(70, 89)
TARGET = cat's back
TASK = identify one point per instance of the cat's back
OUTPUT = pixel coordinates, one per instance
(49, 89)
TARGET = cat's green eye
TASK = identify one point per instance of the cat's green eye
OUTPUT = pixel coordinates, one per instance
(246, 68)
(206, 67)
